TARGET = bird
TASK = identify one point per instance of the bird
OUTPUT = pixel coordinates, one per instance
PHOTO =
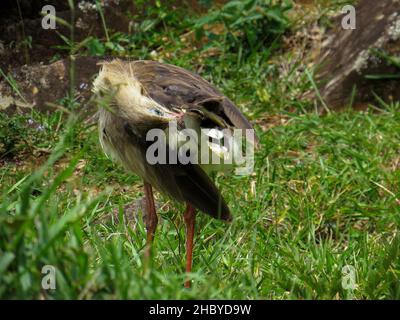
(137, 96)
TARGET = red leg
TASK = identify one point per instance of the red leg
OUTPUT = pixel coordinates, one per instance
(189, 217)
(151, 219)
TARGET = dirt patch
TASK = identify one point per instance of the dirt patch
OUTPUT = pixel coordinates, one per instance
(25, 41)
(38, 59)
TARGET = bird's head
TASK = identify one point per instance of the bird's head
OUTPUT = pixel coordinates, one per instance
(117, 89)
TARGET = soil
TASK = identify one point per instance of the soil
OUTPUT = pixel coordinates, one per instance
(32, 55)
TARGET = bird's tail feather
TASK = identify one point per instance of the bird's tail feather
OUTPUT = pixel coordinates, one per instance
(198, 189)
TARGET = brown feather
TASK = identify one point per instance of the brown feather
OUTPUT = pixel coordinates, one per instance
(122, 133)
(172, 86)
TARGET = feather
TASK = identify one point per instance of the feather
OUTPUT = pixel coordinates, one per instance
(145, 91)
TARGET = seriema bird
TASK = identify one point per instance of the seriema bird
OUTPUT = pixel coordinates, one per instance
(137, 96)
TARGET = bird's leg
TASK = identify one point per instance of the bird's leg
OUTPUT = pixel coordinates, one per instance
(189, 217)
(151, 219)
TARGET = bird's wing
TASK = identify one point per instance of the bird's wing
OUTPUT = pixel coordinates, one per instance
(174, 87)
(195, 187)
(184, 182)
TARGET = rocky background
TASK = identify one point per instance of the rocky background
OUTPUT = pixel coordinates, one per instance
(355, 59)
(353, 64)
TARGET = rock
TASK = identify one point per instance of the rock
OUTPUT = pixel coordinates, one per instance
(348, 59)
(40, 84)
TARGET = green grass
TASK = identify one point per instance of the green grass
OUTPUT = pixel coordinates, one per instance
(325, 194)
(327, 191)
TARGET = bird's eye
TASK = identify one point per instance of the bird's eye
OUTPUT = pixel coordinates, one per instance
(157, 112)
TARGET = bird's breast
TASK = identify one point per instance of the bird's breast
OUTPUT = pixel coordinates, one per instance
(119, 146)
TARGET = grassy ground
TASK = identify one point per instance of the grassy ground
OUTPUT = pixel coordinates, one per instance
(324, 195)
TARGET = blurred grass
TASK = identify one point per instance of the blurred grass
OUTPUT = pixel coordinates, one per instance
(324, 194)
